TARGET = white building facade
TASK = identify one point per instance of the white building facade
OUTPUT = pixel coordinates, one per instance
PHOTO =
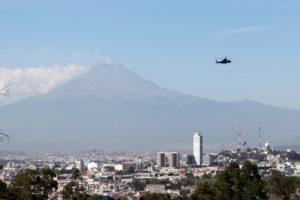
(198, 148)
(79, 164)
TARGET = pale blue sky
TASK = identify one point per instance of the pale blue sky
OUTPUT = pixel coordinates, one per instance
(172, 43)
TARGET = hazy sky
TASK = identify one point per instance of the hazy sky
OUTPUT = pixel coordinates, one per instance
(172, 43)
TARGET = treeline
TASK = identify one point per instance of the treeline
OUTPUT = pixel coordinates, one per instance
(39, 184)
(28, 185)
(244, 183)
(234, 183)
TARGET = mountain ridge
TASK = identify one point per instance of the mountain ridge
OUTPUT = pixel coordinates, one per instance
(112, 107)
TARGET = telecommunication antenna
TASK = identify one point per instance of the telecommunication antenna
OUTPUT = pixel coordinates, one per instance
(239, 138)
(259, 137)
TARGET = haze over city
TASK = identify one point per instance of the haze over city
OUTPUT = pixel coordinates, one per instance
(113, 66)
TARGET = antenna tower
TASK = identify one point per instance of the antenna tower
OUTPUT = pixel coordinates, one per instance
(239, 138)
(259, 137)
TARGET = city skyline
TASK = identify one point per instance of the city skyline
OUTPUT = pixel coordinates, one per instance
(160, 99)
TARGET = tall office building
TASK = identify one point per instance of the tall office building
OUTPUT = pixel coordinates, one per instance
(198, 148)
(168, 159)
(79, 164)
(188, 159)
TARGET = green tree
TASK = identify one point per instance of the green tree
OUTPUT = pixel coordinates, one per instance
(204, 191)
(190, 180)
(48, 181)
(251, 183)
(233, 184)
(279, 186)
(3, 190)
(96, 197)
(156, 196)
(179, 198)
(74, 191)
(69, 190)
(76, 174)
(138, 185)
(228, 183)
(32, 184)
(236, 183)
(26, 185)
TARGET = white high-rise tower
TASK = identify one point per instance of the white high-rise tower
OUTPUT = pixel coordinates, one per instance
(198, 148)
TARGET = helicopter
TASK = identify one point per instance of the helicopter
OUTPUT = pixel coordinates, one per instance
(224, 61)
